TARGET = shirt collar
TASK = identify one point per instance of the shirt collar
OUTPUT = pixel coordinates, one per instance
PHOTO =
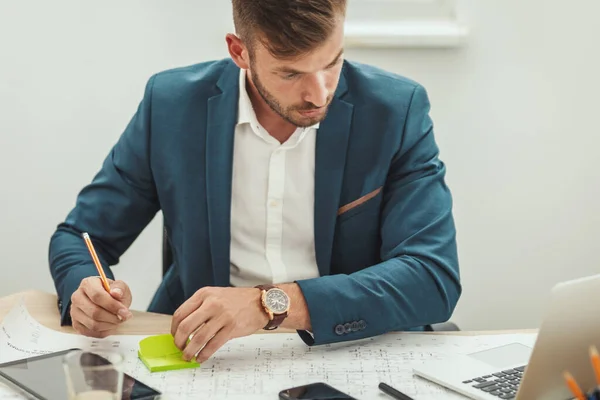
(245, 110)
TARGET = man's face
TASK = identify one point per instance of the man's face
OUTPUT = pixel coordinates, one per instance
(299, 90)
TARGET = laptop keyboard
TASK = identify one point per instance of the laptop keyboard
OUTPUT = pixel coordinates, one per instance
(503, 384)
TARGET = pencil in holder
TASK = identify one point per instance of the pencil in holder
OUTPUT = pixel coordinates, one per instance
(578, 393)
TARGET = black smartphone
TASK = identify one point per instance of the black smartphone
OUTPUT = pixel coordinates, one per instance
(314, 391)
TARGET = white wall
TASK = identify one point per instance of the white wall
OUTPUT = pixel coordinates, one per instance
(514, 113)
(71, 76)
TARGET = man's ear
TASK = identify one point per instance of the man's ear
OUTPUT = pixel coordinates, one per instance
(238, 51)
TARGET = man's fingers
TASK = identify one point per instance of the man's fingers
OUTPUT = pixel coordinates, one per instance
(86, 326)
(120, 291)
(94, 290)
(191, 324)
(214, 344)
(187, 308)
(80, 316)
(117, 293)
(201, 337)
(93, 311)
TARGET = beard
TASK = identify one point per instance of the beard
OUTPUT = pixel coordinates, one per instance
(289, 113)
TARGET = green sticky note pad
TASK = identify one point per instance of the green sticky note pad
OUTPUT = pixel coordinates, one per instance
(159, 353)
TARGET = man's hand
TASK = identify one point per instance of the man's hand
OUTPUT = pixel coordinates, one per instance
(97, 313)
(214, 315)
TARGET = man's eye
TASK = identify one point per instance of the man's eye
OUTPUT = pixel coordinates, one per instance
(290, 76)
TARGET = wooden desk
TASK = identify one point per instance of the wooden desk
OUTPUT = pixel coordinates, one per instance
(42, 307)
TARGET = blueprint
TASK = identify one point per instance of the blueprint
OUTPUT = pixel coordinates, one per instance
(261, 365)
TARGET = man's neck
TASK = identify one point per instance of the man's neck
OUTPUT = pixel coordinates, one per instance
(274, 124)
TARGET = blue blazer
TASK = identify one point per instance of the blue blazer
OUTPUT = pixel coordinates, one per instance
(384, 230)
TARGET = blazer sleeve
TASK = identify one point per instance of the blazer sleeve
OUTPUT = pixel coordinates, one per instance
(114, 208)
(417, 282)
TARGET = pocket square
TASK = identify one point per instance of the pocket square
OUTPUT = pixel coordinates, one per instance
(359, 201)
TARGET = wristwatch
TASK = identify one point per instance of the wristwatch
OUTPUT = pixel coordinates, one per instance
(276, 304)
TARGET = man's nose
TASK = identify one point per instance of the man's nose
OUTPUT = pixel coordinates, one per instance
(317, 92)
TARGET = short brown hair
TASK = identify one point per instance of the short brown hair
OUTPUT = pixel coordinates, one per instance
(287, 28)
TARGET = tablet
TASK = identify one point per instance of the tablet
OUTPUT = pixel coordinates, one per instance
(43, 378)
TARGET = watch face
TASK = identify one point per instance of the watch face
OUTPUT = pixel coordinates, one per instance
(277, 301)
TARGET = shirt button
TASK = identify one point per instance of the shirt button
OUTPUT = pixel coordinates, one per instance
(273, 203)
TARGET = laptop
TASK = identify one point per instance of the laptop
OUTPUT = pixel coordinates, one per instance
(571, 324)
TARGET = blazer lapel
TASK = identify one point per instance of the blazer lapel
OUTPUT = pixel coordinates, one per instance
(220, 129)
(330, 159)
(332, 141)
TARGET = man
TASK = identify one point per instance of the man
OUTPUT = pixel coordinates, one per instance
(284, 165)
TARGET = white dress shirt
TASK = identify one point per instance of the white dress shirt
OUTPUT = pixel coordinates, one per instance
(272, 207)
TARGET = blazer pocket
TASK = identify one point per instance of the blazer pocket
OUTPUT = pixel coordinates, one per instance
(355, 206)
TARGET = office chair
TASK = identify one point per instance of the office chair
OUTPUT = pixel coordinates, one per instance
(167, 261)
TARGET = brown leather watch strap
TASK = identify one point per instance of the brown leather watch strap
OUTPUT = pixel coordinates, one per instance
(265, 287)
(277, 318)
(276, 321)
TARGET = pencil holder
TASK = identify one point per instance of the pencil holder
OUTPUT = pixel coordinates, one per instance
(580, 393)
